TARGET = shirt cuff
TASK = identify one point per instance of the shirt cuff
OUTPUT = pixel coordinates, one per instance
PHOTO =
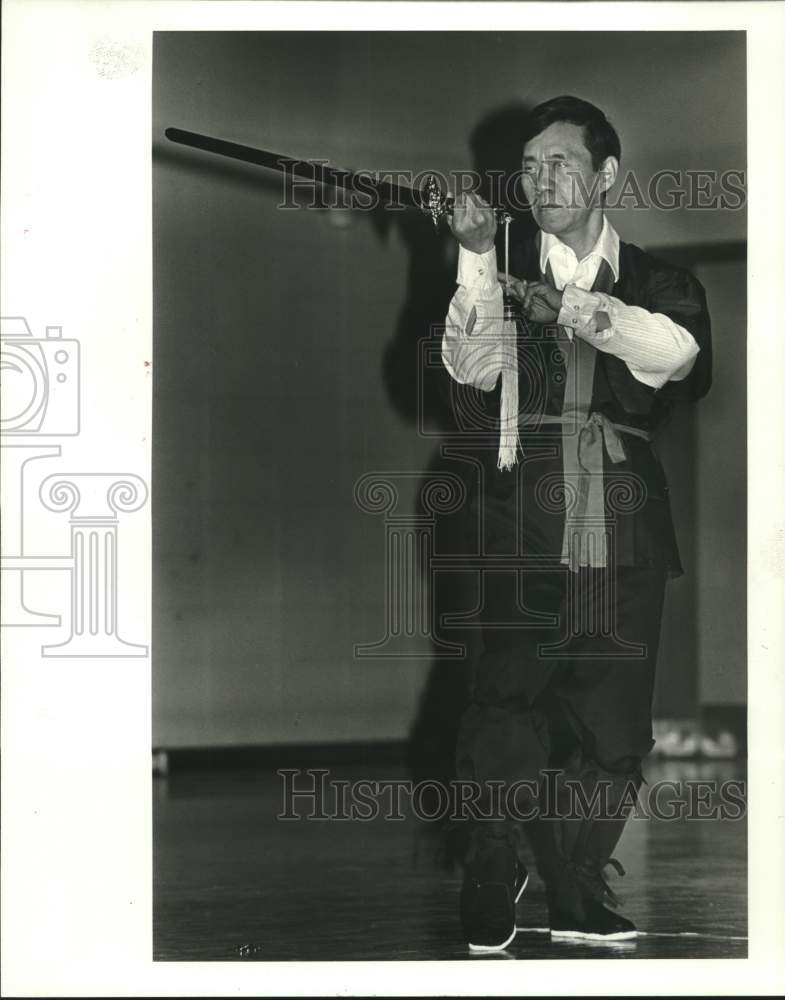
(578, 313)
(477, 270)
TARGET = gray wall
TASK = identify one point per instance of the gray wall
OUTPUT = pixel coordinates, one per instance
(276, 380)
(721, 497)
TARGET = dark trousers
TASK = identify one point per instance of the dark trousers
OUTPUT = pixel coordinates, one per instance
(565, 683)
(568, 665)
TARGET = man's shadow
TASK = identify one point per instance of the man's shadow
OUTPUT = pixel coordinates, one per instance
(425, 396)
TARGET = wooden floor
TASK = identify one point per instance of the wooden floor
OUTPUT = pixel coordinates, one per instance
(232, 883)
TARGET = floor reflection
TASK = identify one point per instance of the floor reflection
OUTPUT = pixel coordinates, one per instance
(234, 883)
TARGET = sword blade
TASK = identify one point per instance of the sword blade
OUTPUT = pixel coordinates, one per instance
(308, 170)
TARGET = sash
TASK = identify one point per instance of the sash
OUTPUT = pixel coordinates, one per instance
(586, 436)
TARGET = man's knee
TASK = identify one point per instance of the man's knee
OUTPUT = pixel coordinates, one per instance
(624, 753)
(622, 766)
(509, 678)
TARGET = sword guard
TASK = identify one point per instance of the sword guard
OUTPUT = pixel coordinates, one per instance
(438, 205)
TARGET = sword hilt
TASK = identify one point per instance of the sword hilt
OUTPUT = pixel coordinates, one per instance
(438, 205)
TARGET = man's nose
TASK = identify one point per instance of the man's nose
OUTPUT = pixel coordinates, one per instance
(541, 180)
(544, 178)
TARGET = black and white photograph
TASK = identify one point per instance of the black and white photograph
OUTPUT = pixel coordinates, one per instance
(405, 520)
(449, 457)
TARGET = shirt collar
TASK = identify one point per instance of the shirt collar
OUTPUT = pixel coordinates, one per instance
(607, 247)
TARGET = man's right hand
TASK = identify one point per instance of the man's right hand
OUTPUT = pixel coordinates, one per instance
(473, 223)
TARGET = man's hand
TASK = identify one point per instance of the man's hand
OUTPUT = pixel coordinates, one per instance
(540, 302)
(473, 223)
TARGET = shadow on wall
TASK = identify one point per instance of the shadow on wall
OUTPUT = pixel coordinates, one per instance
(496, 152)
(423, 396)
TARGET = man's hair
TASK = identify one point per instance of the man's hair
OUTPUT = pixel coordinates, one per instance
(599, 136)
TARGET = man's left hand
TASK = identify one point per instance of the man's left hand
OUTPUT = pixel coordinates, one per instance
(540, 302)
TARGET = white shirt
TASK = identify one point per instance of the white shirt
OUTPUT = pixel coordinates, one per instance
(654, 348)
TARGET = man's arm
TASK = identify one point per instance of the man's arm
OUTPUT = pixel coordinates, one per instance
(471, 345)
(666, 345)
(655, 348)
(472, 342)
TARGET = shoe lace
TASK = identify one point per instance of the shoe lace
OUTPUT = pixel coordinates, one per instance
(592, 879)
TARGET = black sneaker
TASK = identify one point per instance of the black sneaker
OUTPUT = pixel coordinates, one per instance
(597, 924)
(493, 882)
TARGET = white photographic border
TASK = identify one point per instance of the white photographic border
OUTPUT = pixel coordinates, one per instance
(76, 738)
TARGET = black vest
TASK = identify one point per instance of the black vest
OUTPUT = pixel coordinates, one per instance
(645, 537)
(643, 281)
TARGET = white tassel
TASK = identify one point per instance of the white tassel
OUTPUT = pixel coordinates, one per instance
(509, 439)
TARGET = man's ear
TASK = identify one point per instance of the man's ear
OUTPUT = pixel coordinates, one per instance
(608, 173)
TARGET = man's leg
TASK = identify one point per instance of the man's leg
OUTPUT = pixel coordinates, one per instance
(503, 738)
(606, 696)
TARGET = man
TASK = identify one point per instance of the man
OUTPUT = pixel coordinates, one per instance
(606, 340)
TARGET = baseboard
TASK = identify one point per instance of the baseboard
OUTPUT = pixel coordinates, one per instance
(700, 738)
(168, 760)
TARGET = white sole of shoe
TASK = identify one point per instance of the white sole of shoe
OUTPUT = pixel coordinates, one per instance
(586, 936)
(486, 948)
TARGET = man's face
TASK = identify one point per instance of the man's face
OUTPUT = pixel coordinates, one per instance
(559, 180)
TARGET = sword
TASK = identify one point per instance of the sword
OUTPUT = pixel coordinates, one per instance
(429, 199)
